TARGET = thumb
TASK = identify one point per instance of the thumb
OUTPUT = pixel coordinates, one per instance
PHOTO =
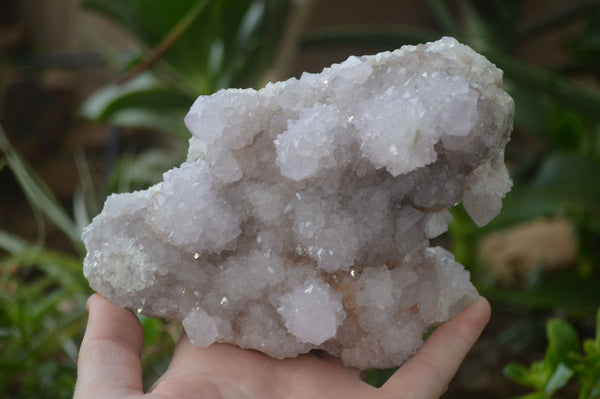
(109, 357)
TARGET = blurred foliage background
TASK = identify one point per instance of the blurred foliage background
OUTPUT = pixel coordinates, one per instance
(93, 95)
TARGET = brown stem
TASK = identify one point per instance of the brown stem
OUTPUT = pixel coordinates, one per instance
(169, 40)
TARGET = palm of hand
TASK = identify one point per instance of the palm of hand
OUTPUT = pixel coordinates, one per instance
(109, 365)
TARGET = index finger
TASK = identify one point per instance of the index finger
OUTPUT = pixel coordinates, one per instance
(428, 373)
(109, 357)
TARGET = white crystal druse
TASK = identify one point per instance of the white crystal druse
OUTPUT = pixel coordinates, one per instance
(302, 216)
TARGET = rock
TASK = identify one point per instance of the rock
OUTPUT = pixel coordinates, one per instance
(512, 255)
(302, 216)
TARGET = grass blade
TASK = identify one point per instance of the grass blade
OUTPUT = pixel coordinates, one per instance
(37, 193)
(11, 243)
(444, 18)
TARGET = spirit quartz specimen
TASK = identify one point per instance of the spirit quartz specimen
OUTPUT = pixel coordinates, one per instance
(302, 216)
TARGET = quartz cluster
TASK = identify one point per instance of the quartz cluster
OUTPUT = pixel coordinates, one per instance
(302, 216)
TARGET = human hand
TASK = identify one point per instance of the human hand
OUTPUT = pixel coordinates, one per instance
(109, 365)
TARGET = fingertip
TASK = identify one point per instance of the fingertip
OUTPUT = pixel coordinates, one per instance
(436, 362)
(483, 299)
(480, 311)
(483, 302)
(486, 306)
(93, 299)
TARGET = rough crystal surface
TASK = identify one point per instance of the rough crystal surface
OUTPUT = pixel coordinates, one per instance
(302, 216)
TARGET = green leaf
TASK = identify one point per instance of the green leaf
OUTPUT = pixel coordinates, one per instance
(377, 377)
(564, 183)
(591, 347)
(165, 121)
(520, 374)
(562, 341)
(155, 99)
(110, 100)
(559, 379)
(151, 21)
(152, 330)
(97, 103)
(587, 369)
(535, 377)
(243, 29)
(562, 337)
(142, 102)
